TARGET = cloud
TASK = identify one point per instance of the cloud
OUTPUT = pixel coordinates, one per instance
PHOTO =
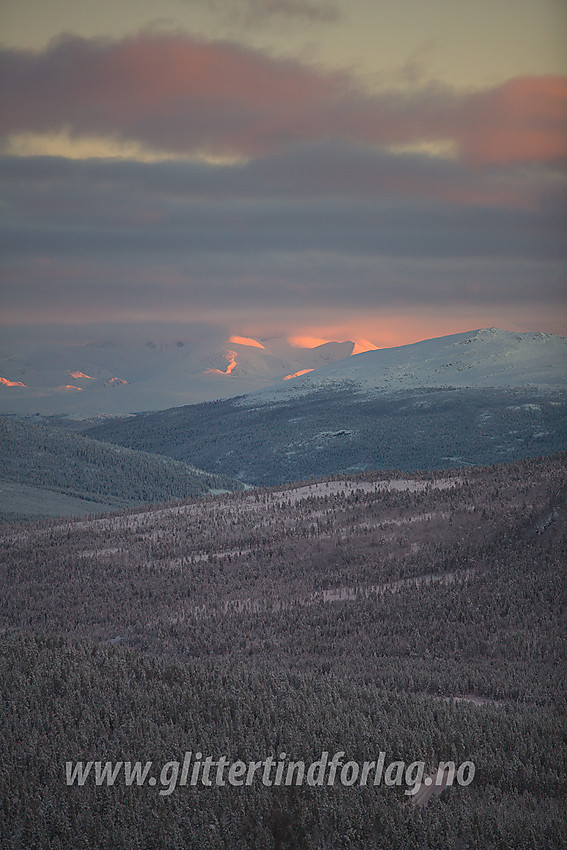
(326, 197)
(256, 292)
(249, 12)
(333, 226)
(277, 241)
(123, 193)
(523, 120)
(337, 201)
(177, 94)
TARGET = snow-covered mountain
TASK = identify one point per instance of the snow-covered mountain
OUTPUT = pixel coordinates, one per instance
(483, 358)
(115, 376)
(461, 400)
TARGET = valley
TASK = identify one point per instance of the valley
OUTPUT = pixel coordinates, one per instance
(365, 558)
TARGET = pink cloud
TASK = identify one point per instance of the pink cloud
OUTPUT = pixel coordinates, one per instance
(181, 95)
(172, 92)
(523, 120)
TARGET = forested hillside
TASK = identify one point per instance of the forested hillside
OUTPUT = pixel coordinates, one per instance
(342, 429)
(420, 616)
(46, 471)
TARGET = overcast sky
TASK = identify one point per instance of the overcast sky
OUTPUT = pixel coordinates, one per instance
(392, 171)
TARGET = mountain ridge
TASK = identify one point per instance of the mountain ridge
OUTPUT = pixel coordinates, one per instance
(339, 418)
(533, 359)
(116, 376)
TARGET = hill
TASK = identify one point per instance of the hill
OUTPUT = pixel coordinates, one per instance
(416, 616)
(48, 472)
(483, 358)
(466, 399)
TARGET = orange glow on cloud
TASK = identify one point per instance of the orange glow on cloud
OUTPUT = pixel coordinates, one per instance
(522, 120)
(6, 383)
(230, 356)
(70, 387)
(177, 94)
(307, 341)
(297, 374)
(246, 340)
(392, 328)
(388, 330)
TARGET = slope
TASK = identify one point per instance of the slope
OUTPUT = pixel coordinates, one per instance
(417, 617)
(47, 472)
(488, 358)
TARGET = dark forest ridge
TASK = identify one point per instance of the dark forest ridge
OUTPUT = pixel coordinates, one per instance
(341, 430)
(48, 472)
(366, 534)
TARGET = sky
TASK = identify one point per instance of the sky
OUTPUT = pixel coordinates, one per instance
(303, 168)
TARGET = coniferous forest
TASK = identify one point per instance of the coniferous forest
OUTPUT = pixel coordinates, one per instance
(422, 616)
(46, 471)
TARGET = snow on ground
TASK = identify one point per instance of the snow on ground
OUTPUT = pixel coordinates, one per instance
(482, 358)
(332, 488)
(346, 593)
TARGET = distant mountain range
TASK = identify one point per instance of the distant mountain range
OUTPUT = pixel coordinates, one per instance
(474, 398)
(119, 376)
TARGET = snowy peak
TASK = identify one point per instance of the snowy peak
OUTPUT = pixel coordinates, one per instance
(124, 376)
(489, 357)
